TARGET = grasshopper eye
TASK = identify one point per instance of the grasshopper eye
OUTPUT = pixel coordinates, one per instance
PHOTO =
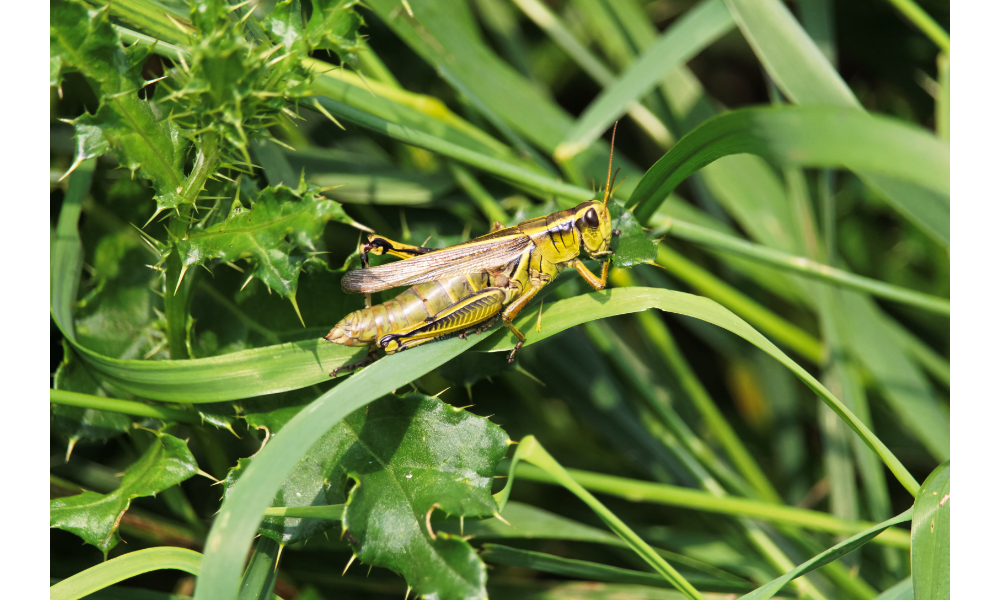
(590, 218)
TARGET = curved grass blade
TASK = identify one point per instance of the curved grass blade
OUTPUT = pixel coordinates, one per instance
(771, 588)
(803, 136)
(125, 566)
(588, 307)
(241, 513)
(686, 38)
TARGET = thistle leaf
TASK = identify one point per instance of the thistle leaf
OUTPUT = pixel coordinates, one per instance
(95, 517)
(269, 233)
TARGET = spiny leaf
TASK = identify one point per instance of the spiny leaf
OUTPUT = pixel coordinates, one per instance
(143, 141)
(408, 455)
(95, 517)
(281, 221)
(414, 453)
(332, 25)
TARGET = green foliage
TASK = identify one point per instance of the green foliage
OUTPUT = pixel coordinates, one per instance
(83, 39)
(95, 517)
(200, 243)
(332, 25)
(280, 221)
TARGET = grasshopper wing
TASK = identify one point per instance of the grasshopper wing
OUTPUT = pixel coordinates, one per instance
(470, 257)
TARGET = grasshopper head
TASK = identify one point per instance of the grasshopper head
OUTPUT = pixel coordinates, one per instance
(594, 223)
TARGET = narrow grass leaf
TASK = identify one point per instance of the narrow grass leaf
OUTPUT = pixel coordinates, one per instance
(591, 571)
(683, 40)
(530, 450)
(444, 35)
(128, 565)
(847, 546)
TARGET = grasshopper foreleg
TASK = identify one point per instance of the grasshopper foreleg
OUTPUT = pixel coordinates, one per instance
(511, 312)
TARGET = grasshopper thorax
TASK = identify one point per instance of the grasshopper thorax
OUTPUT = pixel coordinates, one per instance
(594, 222)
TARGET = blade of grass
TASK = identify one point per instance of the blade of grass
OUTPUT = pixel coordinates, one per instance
(530, 450)
(704, 282)
(841, 549)
(942, 106)
(591, 571)
(551, 24)
(797, 264)
(507, 170)
(128, 407)
(128, 565)
(671, 495)
(659, 336)
(922, 21)
(687, 37)
(436, 33)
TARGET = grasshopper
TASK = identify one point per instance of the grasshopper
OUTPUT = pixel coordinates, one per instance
(464, 288)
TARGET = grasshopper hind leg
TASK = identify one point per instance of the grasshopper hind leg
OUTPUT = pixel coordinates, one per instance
(472, 314)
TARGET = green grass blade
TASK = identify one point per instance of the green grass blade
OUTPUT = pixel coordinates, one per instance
(789, 55)
(804, 266)
(850, 545)
(696, 30)
(801, 136)
(931, 549)
(128, 407)
(67, 252)
(922, 21)
(541, 183)
(241, 513)
(591, 571)
(587, 307)
(531, 451)
(258, 580)
(245, 374)
(441, 34)
(942, 108)
(125, 566)
(597, 70)
(672, 495)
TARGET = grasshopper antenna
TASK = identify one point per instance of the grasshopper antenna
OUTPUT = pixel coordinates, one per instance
(607, 189)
